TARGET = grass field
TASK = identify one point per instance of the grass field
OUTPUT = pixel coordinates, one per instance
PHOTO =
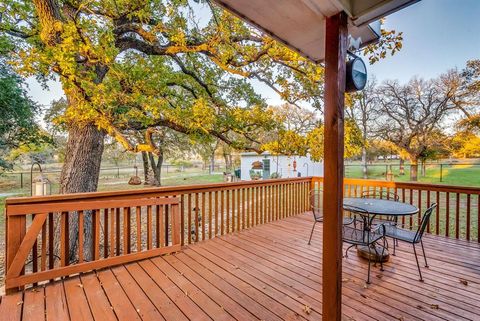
(463, 175)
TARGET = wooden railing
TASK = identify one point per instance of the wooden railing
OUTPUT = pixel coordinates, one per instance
(43, 251)
(135, 224)
(456, 216)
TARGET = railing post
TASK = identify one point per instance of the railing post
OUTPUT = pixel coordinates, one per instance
(335, 75)
(15, 232)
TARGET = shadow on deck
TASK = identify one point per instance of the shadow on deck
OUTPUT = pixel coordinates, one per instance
(265, 273)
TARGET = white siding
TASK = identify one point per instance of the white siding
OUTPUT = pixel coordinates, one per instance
(305, 166)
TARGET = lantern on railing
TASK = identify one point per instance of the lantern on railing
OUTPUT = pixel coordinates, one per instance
(40, 185)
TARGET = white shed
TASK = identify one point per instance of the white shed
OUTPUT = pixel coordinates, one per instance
(281, 164)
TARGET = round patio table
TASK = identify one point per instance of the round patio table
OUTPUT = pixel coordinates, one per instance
(376, 206)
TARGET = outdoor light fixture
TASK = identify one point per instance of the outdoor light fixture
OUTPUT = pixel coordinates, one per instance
(41, 184)
(356, 74)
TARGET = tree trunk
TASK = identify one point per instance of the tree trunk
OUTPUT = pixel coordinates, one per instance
(424, 169)
(80, 173)
(212, 163)
(402, 166)
(364, 162)
(156, 167)
(145, 167)
(414, 170)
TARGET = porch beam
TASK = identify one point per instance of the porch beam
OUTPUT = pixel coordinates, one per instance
(335, 55)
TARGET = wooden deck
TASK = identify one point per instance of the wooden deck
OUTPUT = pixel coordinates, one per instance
(265, 273)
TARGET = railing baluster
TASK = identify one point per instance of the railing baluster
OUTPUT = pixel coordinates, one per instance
(43, 253)
(239, 191)
(166, 217)
(80, 236)
(233, 209)
(138, 216)
(447, 214)
(227, 212)
(419, 216)
(112, 232)
(105, 232)
(222, 213)
(117, 231)
(243, 190)
(158, 227)
(468, 218)
(126, 230)
(437, 215)
(161, 228)
(411, 202)
(64, 239)
(478, 218)
(189, 218)
(182, 219)
(96, 234)
(149, 227)
(216, 213)
(51, 242)
(210, 210)
(203, 216)
(428, 205)
(257, 214)
(457, 216)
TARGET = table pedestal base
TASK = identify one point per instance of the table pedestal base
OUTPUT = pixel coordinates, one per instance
(362, 251)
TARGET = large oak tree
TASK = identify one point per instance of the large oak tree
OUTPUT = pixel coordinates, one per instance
(144, 65)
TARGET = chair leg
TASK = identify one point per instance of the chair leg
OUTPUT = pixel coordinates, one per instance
(424, 256)
(418, 265)
(311, 233)
(394, 246)
(348, 248)
(369, 255)
(383, 252)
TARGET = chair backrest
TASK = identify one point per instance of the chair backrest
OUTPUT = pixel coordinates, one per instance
(357, 230)
(380, 194)
(316, 203)
(424, 223)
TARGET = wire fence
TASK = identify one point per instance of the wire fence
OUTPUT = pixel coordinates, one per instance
(447, 173)
(21, 180)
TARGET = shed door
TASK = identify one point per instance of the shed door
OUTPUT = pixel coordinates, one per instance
(266, 168)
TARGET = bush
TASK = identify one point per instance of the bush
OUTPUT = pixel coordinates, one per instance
(275, 175)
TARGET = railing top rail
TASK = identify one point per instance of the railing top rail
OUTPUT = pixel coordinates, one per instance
(65, 206)
(150, 192)
(410, 185)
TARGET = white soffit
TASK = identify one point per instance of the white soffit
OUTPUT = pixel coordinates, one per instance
(300, 24)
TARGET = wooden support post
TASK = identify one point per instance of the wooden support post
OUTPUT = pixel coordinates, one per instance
(335, 56)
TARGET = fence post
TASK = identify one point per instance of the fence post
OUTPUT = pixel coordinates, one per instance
(21, 180)
(441, 172)
(118, 172)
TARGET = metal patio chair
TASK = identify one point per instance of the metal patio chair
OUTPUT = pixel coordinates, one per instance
(361, 233)
(412, 237)
(316, 205)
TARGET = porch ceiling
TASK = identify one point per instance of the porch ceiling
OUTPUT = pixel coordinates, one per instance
(300, 24)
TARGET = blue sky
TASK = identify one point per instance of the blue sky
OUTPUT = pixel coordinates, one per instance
(438, 35)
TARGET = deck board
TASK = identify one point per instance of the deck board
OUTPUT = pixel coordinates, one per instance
(267, 272)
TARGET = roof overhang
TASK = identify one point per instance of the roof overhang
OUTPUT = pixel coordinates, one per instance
(300, 24)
